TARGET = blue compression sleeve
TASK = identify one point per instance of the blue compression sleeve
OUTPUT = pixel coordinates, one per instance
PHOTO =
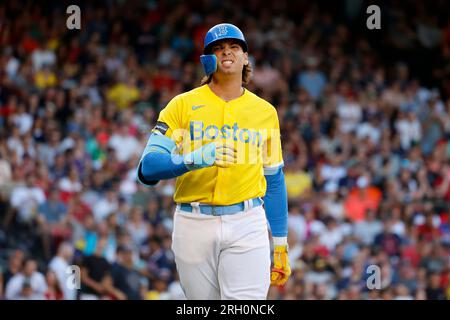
(158, 162)
(160, 166)
(275, 204)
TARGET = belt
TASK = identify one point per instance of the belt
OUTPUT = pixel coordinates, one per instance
(220, 210)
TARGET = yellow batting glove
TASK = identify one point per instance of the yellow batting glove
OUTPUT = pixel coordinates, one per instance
(281, 269)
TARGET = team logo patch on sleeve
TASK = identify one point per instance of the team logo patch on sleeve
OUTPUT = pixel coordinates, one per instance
(161, 127)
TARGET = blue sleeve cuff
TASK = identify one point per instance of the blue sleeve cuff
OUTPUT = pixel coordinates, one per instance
(275, 203)
(160, 166)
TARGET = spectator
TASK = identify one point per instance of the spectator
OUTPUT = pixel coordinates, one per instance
(106, 205)
(367, 229)
(361, 199)
(312, 80)
(139, 229)
(298, 181)
(93, 271)
(53, 221)
(407, 278)
(59, 265)
(124, 144)
(124, 276)
(320, 275)
(13, 268)
(26, 200)
(159, 291)
(429, 228)
(350, 113)
(175, 290)
(45, 78)
(123, 94)
(333, 235)
(96, 281)
(409, 129)
(77, 210)
(332, 203)
(28, 284)
(434, 291)
(388, 241)
(5, 177)
(307, 225)
(69, 185)
(54, 291)
(23, 120)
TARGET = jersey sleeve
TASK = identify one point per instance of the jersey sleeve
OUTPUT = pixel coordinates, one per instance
(272, 153)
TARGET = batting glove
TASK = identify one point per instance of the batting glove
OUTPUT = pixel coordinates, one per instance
(281, 269)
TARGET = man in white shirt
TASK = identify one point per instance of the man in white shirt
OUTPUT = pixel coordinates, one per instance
(26, 199)
(23, 120)
(59, 264)
(332, 235)
(350, 114)
(305, 225)
(105, 206)
(334, 170)
(409, 129)
(29, 284)
(124, 144)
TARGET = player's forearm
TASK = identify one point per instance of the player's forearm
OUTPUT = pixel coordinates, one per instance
(160, 162)
(161, 166)
(275, 203)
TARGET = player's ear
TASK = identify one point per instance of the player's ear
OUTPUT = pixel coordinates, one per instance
(245, 58)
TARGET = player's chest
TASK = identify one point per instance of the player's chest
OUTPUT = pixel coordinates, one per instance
(225, 115)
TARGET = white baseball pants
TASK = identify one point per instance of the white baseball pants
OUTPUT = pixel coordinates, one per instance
(222, 257)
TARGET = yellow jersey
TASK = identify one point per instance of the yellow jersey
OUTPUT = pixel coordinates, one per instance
(198, 117)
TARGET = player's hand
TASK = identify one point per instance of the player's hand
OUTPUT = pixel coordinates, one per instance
(225, 155)
(281, 269)
(202, 157)
(219, 154)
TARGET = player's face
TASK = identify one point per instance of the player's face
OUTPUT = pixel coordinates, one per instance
(230, 56)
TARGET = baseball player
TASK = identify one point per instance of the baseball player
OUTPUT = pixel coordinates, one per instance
(222, 143)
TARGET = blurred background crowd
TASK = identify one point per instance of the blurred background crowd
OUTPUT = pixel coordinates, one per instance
(365, 121)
